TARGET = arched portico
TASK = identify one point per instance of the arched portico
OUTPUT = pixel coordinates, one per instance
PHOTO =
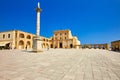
(43, 45)
(21, 44)
(28, 46)
(47, 45)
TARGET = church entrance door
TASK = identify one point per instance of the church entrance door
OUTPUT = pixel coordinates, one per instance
(60, 45)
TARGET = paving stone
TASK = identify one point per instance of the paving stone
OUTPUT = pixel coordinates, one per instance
(60, 64)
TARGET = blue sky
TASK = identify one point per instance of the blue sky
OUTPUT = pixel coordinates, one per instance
(92, 21)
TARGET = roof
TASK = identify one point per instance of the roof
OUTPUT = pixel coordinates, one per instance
(115, 41)
(62, 30)
(21, 31)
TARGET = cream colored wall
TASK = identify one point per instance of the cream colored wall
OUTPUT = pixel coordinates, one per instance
(76, 42)
(62, 32)
(6, 39)
(6, 36)
(16, 39)
(64, 35)
(70, 34)
(45, 42)
(115, 44)
(95, 46)
(65, 42)
(24, 40)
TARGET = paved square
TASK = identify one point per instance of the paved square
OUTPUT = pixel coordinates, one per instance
(60, 64)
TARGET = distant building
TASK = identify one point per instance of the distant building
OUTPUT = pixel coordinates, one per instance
(19, 40)
(64, 39)
(115, 45)
(96, 46)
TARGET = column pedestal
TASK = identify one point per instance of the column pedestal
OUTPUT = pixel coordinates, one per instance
(37, 45)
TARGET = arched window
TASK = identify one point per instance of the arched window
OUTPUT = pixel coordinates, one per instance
(8, 35)
(43, 45)
(47, 40)
(21, 35)
(44, 39)
(21, 44)
(28, 37)
(28, 45)
(3, 36)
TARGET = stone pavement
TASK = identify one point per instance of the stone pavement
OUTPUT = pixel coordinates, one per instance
(60, 64)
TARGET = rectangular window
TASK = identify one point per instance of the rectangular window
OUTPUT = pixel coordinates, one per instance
(65, 37)
(8, 35)
(3, 36)
(16, 34)
(55, 34)
(60, 34)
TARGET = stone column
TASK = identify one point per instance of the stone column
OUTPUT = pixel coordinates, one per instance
(37, 43)
(38, 10)
(68, 44)
(58, 42)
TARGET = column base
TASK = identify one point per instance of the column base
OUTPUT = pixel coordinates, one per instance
(37, 45)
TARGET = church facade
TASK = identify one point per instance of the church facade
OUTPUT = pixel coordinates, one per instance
(64, 39)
